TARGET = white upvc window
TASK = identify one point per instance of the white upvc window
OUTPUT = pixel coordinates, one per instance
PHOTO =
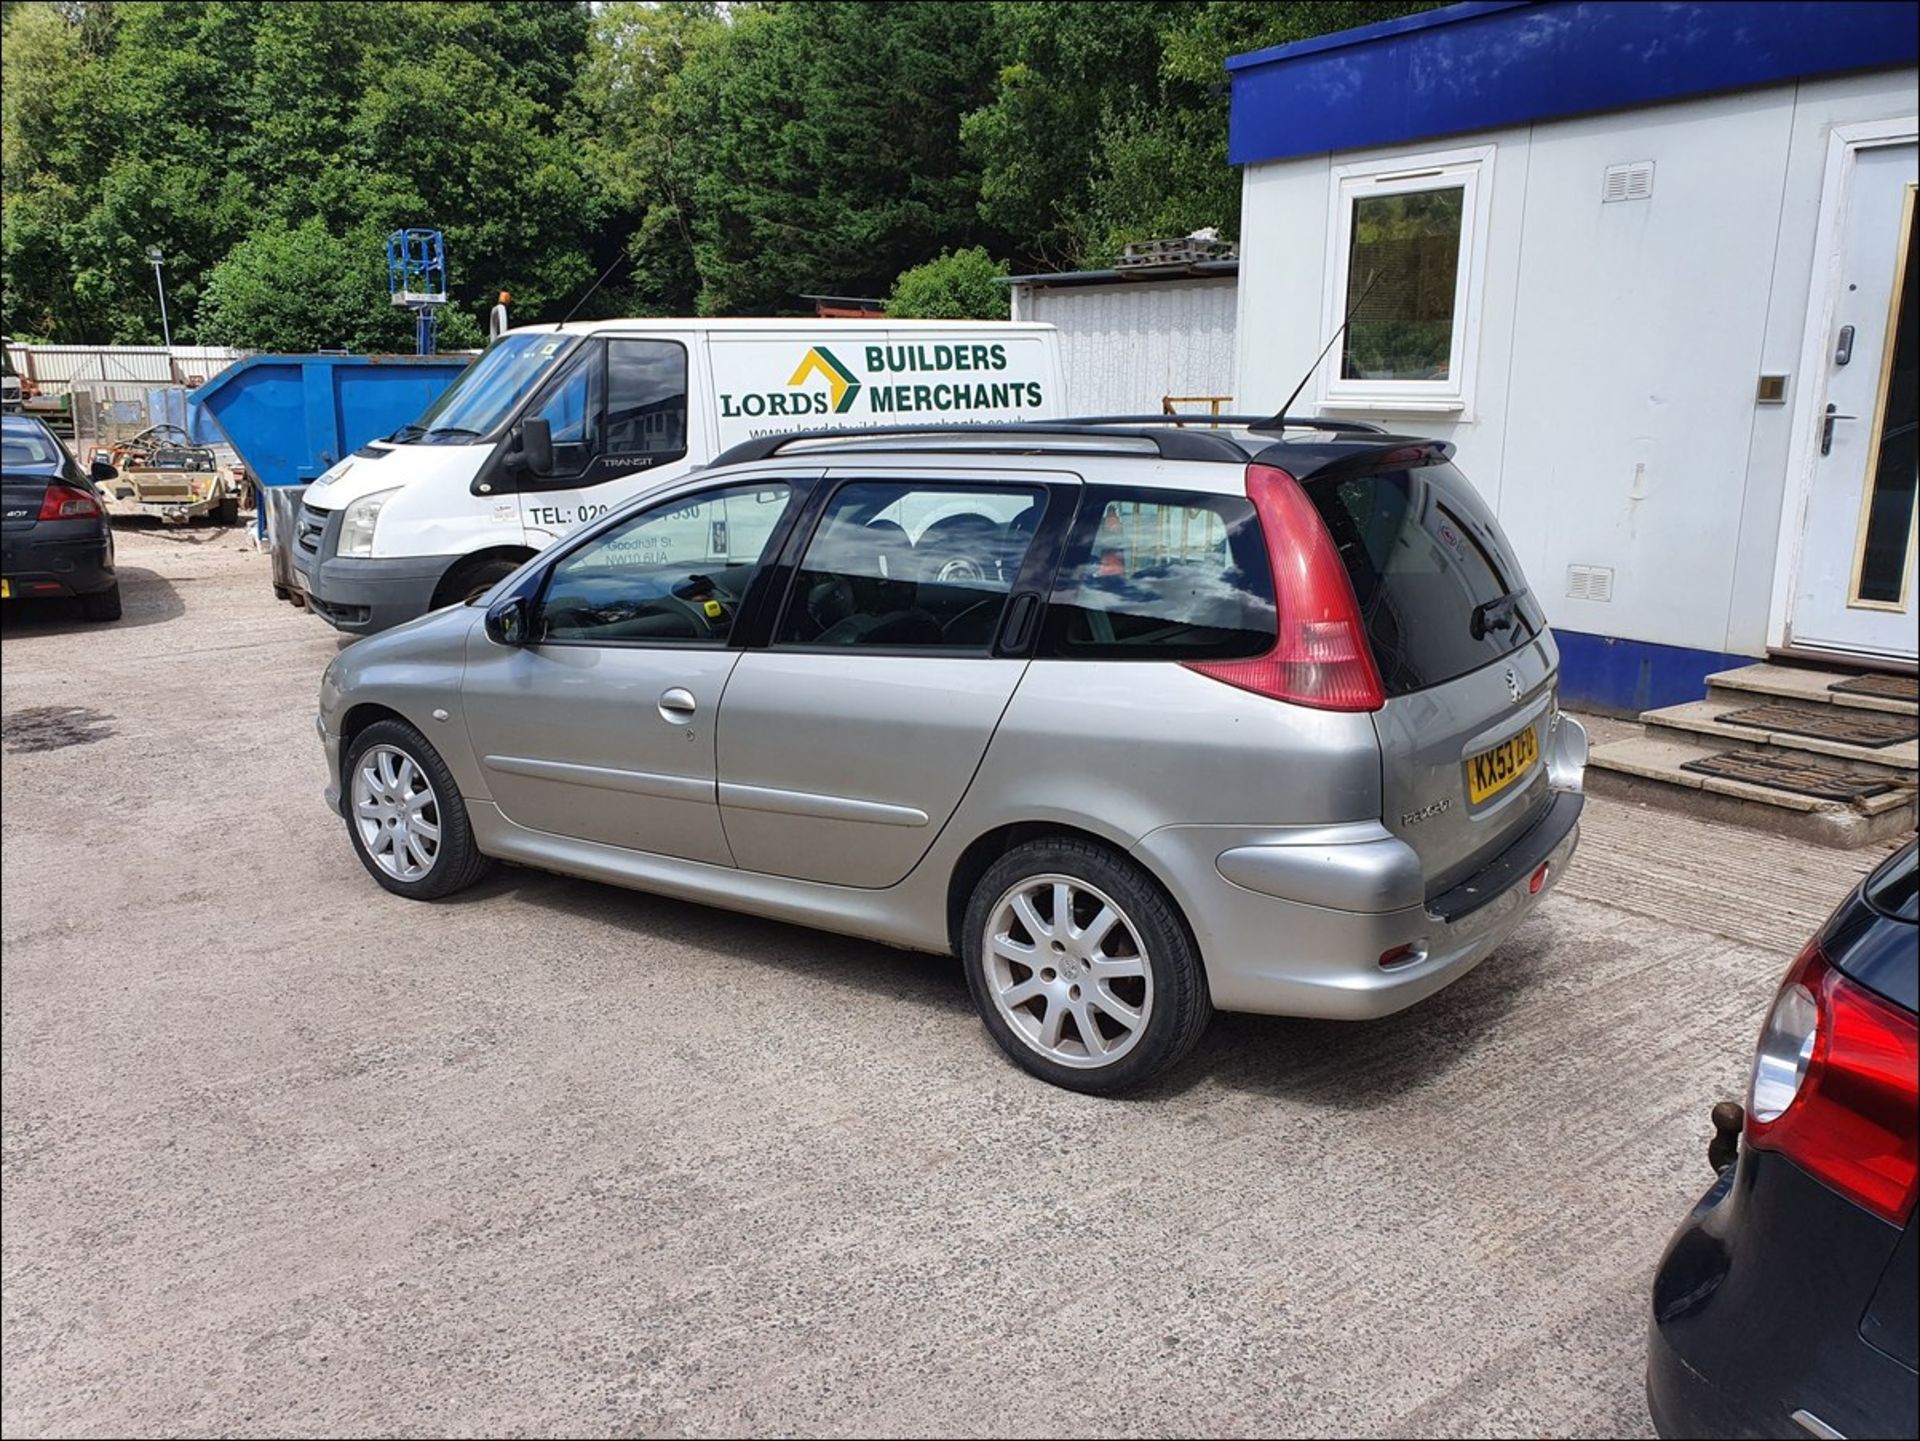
(1406, 251)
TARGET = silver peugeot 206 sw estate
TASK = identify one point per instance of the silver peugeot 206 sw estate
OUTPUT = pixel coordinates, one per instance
(1137, 719)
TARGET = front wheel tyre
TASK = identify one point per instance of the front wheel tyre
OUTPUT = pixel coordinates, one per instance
(1081, 967)
(102, 604)
(405, 817)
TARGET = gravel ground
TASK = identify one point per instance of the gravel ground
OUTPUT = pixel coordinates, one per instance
(286, 1154)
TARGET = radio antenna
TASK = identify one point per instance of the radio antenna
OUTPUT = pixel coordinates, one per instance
(1279, 419)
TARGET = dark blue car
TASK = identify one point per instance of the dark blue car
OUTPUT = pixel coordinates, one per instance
(1785, 1305)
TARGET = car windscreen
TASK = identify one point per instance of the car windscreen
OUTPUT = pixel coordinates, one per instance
(1436, 581)
(30, 448)
(488, 391)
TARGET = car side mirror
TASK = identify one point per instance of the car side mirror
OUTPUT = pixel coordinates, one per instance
(536, 445)
(103, 470)
(510, 622)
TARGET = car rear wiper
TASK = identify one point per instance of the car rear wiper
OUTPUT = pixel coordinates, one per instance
(1496, 614)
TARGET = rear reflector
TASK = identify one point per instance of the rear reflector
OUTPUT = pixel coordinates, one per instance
(64, 502)
(1537, 880)
(1836, 1087)
(1320, 656)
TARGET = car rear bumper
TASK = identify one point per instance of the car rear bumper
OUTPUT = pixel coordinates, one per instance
(1757, 1309)
(364, 596)
(52, 565)
(1297, 921)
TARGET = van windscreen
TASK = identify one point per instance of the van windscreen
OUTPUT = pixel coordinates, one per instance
(1437, 583)
(487, 392)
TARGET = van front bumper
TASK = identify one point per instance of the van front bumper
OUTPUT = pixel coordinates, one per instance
(1296, 921)
(364, 596)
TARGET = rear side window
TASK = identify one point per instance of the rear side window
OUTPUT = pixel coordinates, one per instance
(1438, 587)
(924, 566)
(1160, 575)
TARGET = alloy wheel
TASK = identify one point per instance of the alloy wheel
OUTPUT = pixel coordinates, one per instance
(396, 813)
(1067, 971)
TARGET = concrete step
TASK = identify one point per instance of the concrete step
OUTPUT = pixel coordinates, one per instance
(1796, 683)
(1695, 720)
(1647, 770)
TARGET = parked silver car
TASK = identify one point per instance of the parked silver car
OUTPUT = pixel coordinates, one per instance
(1140, 721)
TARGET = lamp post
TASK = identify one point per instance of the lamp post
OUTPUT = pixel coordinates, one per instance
(166, 333)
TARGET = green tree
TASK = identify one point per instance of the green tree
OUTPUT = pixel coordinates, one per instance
(301, 287)
(197, 124)
(957, 286)
(631, 124)
(1109, 122)
(824, 147)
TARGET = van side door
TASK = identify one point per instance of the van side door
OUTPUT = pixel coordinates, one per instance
(849, 739)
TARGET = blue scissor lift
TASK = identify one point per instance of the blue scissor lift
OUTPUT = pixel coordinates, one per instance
(417, 279)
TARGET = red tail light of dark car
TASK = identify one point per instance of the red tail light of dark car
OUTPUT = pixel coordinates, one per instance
(1836, 1087)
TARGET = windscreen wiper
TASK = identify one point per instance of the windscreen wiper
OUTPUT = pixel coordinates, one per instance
(1496, 614)
(452, 430)
(406, 433)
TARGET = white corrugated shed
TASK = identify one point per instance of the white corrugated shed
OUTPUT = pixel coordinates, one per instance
(1126, 345)
(55, 368)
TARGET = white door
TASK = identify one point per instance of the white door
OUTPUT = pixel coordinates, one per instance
(1855, 587)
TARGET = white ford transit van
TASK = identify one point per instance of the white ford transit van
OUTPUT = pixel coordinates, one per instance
(555, 425)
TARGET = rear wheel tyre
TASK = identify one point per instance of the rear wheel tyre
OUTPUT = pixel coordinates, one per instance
(102, 604)
(228, 511)
(405, 817)
(1081, 967)
(473, 580)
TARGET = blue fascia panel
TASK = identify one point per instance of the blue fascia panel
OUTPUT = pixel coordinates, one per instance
(1603, 672)
(1487, 65)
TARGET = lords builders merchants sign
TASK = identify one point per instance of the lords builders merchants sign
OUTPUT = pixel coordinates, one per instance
(766, 386)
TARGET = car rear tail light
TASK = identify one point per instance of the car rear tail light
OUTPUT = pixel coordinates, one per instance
(64, 502)
(1320, 656)
(1836, 1087)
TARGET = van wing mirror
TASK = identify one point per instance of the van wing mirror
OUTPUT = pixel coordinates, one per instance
(536, 445)
(510, 621)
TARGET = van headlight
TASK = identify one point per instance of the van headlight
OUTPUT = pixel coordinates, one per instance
(356, 524)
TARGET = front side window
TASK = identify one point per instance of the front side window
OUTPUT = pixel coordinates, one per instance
(674, 574)
(1157, 575)
(574, 410)
(1404, 256)
(920, 566)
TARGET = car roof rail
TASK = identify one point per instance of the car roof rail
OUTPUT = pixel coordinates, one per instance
(1251, 422)
(1024, 437)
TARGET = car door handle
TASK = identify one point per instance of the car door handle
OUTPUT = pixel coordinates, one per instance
(677, 705)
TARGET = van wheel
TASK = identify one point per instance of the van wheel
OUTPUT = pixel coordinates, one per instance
(1081, 967)
(405, 817)
(471, 579)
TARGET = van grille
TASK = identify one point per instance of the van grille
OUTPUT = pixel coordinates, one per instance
(311, 526)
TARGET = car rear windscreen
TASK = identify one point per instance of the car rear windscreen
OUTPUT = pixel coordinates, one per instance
(1437, 583)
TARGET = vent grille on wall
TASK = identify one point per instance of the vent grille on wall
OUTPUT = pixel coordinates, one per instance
(1590, 582)
(1628, 182)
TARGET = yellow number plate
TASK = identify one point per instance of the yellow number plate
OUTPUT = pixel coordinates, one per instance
(1492, 771)
(6, 590)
